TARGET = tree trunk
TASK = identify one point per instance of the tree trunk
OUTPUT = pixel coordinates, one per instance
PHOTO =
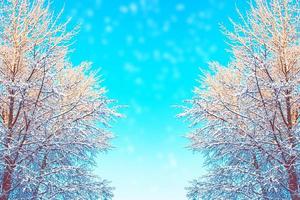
(290, 165)
(293, 181)
(9, 162)
(7, 178)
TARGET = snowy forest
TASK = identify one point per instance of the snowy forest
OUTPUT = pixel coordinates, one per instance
(70, 129)
(51, 111)
(247, 112)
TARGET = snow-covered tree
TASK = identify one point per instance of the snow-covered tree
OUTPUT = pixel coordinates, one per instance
(246, 114)
(53, 115)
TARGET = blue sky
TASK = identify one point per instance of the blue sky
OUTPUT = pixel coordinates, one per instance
(149, 53)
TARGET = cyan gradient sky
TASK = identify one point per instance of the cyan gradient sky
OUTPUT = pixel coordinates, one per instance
(150, 52)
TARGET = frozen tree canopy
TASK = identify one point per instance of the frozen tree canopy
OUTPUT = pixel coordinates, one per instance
(246, 115)
(52, 114)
